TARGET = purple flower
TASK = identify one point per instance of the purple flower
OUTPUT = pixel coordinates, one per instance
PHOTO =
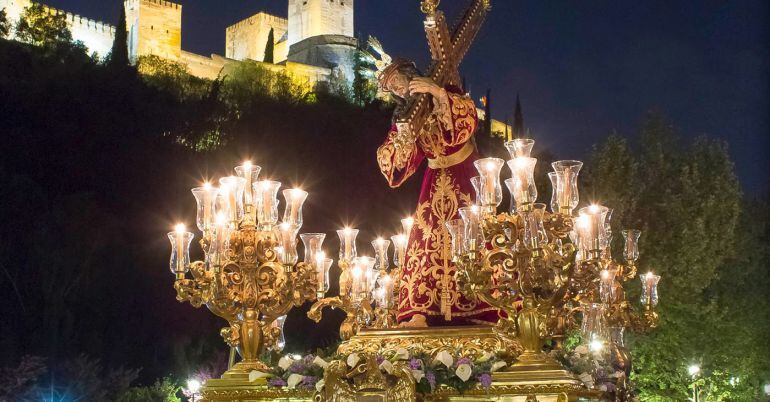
(308, 382)
(380, 359)
(308, 360)
(431, 377)
(463, 360)
(276, 382)
(485, 380)
(298, 367)
(415, 364)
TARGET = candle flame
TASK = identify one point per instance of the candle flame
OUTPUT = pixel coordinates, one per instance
(221, 219)
(207, 186)
(247, 165)
(297, 193)
(180, 228)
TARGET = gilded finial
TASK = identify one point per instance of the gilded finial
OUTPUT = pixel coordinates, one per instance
(429, 6)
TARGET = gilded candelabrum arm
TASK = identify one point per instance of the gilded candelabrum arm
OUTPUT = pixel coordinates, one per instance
(350, 325)
(197, 291)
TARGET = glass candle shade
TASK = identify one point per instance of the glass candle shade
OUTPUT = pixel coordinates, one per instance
(649, 289)
(399, 249)
(313, 243)
(381, 247)
(566, 184)
(231, 188)
(250, 173)
(180, 240)
(205, 199)
(280, 342)
(476, 183)
(219, 240)
(607, 286)
(287, 239)
(407, 224)
(535, 235)
(491, 191)
(357, 286)
(592, 227)
(456, 229)
(347, 244)
(474, 235)
(606, 235)
(522, 183)
(554, 198)
(322, 266)
(384, 293)
(370, 275)
(295, 198)
(519, 147)
(631, 245)
(594, 326)
(266, 203)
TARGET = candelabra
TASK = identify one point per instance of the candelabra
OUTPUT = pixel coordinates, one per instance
(250, 275)
(367, 289)
(544, 269)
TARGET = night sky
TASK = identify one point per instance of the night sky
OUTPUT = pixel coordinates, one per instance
(582, 69)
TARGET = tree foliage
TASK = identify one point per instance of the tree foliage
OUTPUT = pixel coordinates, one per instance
(270, 47)
(687, 201)
(364, 83)
(5, 27)
(40, 27)
(119, 54)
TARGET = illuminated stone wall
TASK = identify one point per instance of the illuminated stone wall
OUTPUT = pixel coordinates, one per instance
(308, 18)
(247, 39)
(154, 28)
(95, 35)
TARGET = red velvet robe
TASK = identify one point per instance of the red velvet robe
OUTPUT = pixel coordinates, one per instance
(427, 284)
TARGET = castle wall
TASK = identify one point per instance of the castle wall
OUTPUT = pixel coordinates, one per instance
(247, 39)
(154, 28)
(95, 35)
(308, 18)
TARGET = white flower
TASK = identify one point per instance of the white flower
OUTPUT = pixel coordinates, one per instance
(445, 358)
(587, 379)
(319, 385)
(353, 359)
(320, 362)
(285, 362)
(498, 365)
(254, 375)
(464, 372)
(581, 350)
(387, 366)
(485, 357)
(418, 375)
(401, 354)
(293, 380)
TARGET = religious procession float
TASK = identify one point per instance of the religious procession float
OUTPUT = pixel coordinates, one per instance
(527, 304)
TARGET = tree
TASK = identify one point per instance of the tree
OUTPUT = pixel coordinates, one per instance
(364, 85)
(39, 27)
(119, 53)
(270, 47)
(4, 25)
(687, 201)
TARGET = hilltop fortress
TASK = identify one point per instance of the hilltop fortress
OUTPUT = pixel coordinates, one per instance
(314, 42)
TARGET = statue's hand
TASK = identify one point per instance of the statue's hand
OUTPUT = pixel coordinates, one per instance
(424, 85)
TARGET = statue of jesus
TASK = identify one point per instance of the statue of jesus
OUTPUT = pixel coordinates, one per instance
(428, 292)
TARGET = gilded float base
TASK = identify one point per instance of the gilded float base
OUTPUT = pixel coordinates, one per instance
(534, 378)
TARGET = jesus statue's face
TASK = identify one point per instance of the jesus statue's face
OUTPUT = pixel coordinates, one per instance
(398, 84)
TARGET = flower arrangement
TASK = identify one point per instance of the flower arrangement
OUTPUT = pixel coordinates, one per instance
(589, 363)
(448, 368)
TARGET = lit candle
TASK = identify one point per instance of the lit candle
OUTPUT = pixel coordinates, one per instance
(607, 285)
(180, 230)
(407, 224)
(631, 245)
(220, 238)
(180, 255)
(519, 147)
(491, 192)
(522, 182)
(399, 246)
(265, 193)
(232, 187)
(287, 235)
(320, 265)
(386, 291)
(650, 289)
(566, 184)
(474, 236)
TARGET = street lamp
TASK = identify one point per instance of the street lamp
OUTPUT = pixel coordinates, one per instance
(193, 387)
(694, 370)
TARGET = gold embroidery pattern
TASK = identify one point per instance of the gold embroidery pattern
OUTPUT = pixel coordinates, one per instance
(429, 271)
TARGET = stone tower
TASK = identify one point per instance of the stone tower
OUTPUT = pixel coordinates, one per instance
(154, 28)
(309, 18)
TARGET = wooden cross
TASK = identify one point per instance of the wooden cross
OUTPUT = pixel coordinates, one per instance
(447, 51)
